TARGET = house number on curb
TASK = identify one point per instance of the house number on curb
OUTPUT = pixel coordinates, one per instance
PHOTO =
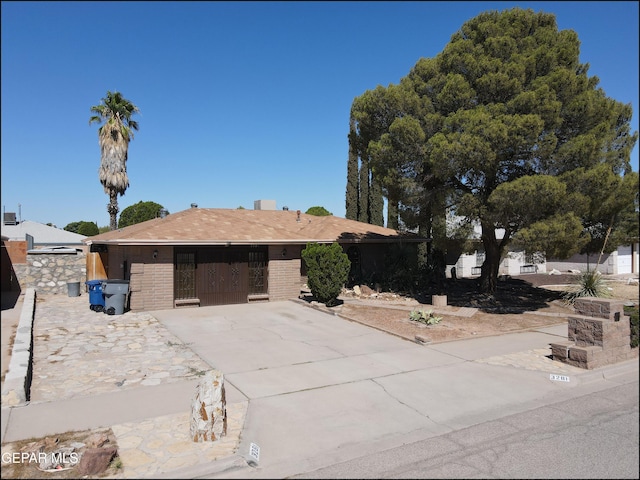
(559, 378)
(254, 452)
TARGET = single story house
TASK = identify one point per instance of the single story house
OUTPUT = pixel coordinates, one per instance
(39, 236)
(514, 262)
(623, 260)
(208, 256)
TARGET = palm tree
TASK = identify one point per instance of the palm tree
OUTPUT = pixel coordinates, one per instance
(114, 136)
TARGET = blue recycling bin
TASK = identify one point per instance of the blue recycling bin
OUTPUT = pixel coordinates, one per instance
(96, 297)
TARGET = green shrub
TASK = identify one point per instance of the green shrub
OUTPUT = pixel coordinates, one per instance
(633, 316)
(327, 271)
(424, 316)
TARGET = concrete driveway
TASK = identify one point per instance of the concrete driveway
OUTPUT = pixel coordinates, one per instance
(323, 389)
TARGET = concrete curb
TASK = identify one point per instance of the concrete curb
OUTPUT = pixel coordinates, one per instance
(233, 463)
(17, 383)
(610, 372)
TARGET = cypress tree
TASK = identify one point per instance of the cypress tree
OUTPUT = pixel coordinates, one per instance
(392, 214)
(363, 193)
(351, 200)
(376, 203)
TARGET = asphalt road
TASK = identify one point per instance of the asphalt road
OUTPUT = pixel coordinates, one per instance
(592, 436)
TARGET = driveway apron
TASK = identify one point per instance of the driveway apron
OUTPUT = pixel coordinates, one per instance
(322, 389)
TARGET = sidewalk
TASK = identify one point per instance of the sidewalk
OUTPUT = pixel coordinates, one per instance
(318, 386)
(126, 372)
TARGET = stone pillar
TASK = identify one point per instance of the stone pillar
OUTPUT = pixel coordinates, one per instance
(208, 409)
(600, 335)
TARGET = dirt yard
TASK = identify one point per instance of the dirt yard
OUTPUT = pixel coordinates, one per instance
(520, 303)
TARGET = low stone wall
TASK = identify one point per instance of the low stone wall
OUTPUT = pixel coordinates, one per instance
(17, 382)
(50, 272)
(599, 335)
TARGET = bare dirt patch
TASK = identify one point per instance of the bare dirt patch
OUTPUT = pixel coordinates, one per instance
(451, 327)
(522, 303)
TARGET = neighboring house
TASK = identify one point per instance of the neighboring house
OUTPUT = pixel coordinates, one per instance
(206, 256)
(621, 261)
(38, 235)
(515, 262)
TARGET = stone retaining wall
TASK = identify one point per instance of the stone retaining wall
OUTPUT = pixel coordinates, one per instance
(50, 272)
(17, 382)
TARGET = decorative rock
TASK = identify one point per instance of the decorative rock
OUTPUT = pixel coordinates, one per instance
(97, 440)
(356, 290)
(366, 290)
(96, 460)
(208, 409)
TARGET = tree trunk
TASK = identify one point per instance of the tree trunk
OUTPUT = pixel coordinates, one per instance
(112, 208)
(491, 265)
(604, 245)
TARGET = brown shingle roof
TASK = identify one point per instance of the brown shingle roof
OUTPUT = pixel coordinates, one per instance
(215, 226)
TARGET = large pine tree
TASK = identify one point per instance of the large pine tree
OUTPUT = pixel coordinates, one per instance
(505, 128)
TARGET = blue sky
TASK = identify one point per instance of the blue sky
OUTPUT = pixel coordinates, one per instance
(239, 101)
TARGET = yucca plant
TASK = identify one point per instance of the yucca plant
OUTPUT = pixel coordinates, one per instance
(591, 285)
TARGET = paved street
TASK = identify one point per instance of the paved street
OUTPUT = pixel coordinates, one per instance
(594, 436)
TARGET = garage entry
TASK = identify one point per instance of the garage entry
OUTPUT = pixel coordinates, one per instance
(220, 275)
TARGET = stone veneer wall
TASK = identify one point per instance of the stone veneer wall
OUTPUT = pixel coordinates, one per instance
(50, 273)
(600, 335)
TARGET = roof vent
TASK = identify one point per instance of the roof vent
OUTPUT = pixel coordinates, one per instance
(163, 213)
(10, 219)
(264, 204)
(285, 208)
(298, 213)
(194, 205)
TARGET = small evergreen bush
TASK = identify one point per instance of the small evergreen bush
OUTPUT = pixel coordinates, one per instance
(633, 313)
(327, 271)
